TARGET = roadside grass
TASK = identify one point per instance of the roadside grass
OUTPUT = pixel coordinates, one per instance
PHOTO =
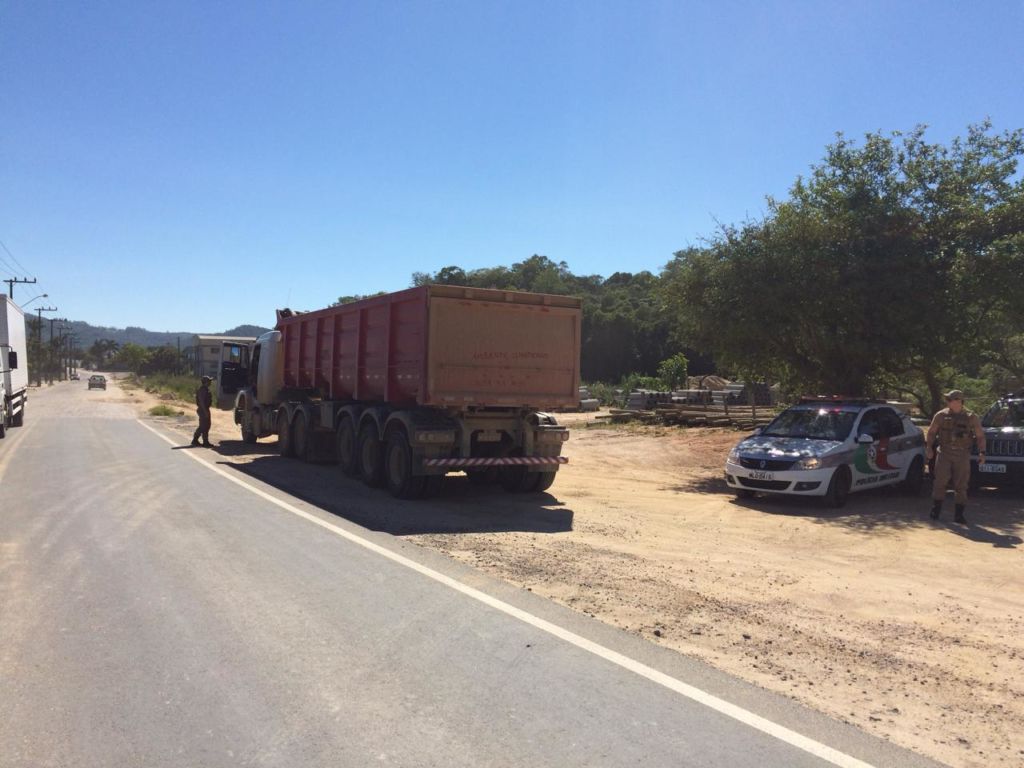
(181, 388)
(164, 410)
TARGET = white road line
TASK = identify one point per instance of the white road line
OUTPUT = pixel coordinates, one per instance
(744, 716)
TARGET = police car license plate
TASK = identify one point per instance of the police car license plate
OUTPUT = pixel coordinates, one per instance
(761, 475)
(997, 468)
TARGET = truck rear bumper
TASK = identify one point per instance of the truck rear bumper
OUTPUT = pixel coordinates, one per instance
(509, 461)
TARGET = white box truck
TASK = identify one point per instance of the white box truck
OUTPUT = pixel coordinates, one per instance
(13, 365)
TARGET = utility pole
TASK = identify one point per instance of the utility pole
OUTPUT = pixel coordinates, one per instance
(62, 343)
(49, 354)
(72, 354)
(39, 343)
(15, 281)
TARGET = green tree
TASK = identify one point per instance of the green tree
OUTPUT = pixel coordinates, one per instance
(161, 360)
(132, 357)
(357, 297)
(673, 371)
(102, 352)
(896, 260)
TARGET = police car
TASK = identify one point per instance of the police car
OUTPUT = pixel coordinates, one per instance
(829, 447)
(1004, 443)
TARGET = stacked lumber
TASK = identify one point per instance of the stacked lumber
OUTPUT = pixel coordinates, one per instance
(686, 414)
(646, 399)
(623, 415)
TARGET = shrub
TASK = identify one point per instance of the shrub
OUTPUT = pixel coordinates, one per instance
(673, 371)
(163, 410)
(635, 381)
(605, 393)
(181, 387)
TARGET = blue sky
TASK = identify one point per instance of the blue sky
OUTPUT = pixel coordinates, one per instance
(191, 166)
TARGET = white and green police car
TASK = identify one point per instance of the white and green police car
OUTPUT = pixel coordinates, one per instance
(829, 447)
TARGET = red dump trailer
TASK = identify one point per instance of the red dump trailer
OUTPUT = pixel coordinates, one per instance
(402, 388)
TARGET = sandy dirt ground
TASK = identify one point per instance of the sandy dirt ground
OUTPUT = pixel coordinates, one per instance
(912, 630)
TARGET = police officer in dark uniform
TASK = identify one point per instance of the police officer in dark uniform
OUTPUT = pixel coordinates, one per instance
(204, 399)
(956, 428)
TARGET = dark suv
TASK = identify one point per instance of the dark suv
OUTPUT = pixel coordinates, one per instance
(1004, 443)
(97, 382)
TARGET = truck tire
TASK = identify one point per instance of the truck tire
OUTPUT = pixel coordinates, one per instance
(245, 422)
(345, 447)
(285, 444)
(487, 476)
(517, 479)
(402, 483)
(544, 481)
(432, 485)
(302, 437)
(838, 488)
(371, 458)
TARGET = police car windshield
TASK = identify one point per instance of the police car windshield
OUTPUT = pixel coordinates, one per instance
(1005, 414)
(812, 423)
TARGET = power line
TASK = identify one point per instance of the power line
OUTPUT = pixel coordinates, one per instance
(13, 257)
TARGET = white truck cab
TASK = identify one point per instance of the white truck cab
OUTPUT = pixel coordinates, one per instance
(249, 381)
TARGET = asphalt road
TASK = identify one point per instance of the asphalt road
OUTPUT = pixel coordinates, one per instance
(161, 611)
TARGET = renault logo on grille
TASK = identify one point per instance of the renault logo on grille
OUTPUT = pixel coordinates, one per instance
(763, 463)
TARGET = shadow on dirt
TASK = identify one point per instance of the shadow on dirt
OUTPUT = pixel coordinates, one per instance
(982, 535)
(996, 515)
(460, 507)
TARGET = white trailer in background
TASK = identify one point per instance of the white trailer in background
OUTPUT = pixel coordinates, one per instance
(13, 365)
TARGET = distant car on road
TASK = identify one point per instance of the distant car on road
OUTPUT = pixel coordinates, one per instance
(829, 447)
(74, 377)
(97, 382)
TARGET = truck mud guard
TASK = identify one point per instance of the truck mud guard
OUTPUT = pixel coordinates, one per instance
(510, 461)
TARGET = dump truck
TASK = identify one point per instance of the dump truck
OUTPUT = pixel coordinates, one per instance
(402, 388)
(13, 365)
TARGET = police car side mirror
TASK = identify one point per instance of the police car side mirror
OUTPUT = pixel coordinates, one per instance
(757, 432)
(865, 439)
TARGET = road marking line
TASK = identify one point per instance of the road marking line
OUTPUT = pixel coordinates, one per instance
(711, 701)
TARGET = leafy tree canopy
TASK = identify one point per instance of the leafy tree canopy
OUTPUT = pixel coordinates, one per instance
(896, 261)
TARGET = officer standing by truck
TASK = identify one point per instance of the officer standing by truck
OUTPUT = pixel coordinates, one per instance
(204, 399)
(955, 427)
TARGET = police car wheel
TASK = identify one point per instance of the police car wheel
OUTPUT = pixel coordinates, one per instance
(915, 477)
(838, 488)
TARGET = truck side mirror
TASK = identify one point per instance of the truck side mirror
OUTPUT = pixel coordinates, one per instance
(12, 359)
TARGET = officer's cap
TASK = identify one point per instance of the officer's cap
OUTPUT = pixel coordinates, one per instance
(954, 394)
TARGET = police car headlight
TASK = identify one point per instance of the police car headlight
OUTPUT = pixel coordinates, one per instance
(734, 456)
(811, 462)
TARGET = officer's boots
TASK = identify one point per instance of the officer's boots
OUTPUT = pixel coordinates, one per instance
(936, 509)
(960, 514)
